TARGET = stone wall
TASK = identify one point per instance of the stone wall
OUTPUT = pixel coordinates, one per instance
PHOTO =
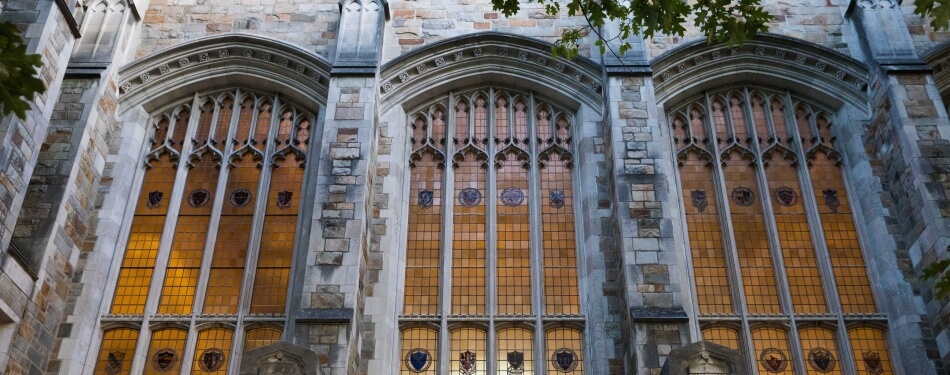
(310, 24)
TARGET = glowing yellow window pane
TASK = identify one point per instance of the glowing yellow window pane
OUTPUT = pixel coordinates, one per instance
(771, 351)
(261, 337)
(870, 351)
(727, 337)
(165, 351)
(468, 241)
(466, 343)
(515, 344)
(213, 351)
(558, 244)
(425, 233)
(277, 240)
(513, 238)
(420, 352)
(117, 352)
(820, 351)
(565, 351)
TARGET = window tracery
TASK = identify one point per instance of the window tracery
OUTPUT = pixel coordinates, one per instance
(783, 246)
(491, 252)
(213, 235)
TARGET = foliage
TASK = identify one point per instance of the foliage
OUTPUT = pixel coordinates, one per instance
(18, 81)
(729, 21)
(937, 10)
(939, 271)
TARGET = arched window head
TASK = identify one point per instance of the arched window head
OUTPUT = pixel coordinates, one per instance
(101, 29)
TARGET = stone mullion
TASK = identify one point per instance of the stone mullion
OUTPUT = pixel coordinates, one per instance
(537, 232)
(491, 226)
(448, 210)
(729, 244)
(695, 327)
(775, 244)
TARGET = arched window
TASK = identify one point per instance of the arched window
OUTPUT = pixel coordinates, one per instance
(775, 253)
(213, 234)
(101, 28)
(491, 254)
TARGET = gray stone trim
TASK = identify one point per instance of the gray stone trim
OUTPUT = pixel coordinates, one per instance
(824, 74)
(680, 359)
(318, 316)
(240, 59)
(280, 358)
(485, 59)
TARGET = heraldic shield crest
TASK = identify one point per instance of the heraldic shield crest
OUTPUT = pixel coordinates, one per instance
(564, 360)
(114, 363)
(418, 360)
(467, 363)
(773, 360)
(211, 360)
(515, 362)
(426, 198)
(164, 360)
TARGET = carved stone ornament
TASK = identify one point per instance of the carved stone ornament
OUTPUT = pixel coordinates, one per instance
(403, 77)
(198, 198)
(114, 363)
(786, 196)
(163, 69)
(467, 363)
(477, 52)
(831, 199)
(284, 198)
(222, 53)
(458, 56)
(127, 87)
(511, 196)
(515, 362)
(773, 360)
(522, 55)
(164, 360)
(183, 62)
(203, 56)
(439, 61)
(470, 197)
(699, 199)
(821, 360)
(873, 363)
(240, 197)
(426, 198)
(564, 360)
(559, 67)
(503, 51)
(211, 360)
(557, 198)
(145, 77)
(418, 360)
(743, 196)
(760, 51)
(154, 199)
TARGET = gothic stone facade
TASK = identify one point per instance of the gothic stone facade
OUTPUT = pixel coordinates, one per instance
(674, 265)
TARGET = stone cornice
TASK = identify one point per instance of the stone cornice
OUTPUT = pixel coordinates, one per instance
(490, 57)
(225, 60)
(788, 62)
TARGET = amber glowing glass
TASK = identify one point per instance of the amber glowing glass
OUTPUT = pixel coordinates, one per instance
(213, 351)
(165, 352)
(117, 352)
(566, 342)
(513, 237)
(421, 344)
(468, 240)
(261, 337)
(820, 351)
(515, 345)
(724, 336)
(464, 344)
(870, 351)
(771, 351)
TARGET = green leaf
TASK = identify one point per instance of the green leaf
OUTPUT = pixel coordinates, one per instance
(18, 81)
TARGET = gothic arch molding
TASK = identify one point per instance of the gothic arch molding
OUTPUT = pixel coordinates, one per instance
(489, 58)
(818, 72)
(232, 59)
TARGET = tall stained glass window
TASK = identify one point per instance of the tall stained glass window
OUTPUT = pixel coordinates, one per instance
(213, 235)
(491, 253)
(771, 233)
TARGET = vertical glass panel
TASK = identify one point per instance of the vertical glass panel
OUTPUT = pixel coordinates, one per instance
(502, 130)
(565, 351)
(261, 337)
(245, 119)
(277, 240)
(136, 272)
(481, 120)
(515, 352)
(420, 352)
(824, 128)
(752, 242)
(117, 352)
(438, 126)
(286, 127)
(105, 42)
(841, 236)
(759, 116)
(563, 129)
(226, 108)
(92, 29)
(263, 121)
(461, 120)
(425, 233)
(165, 351)
(680, 132)
(803, 118)
(870, 351)
(724, 336)
(561, 292)
(801, 268)
(468, 352)
(544, 124)
(771, 351)
(820, 351)
(697, 123)
(213, 352)
(204, 122)
(184, 261)
(737, 115)
(468, 239)
(513, 235)
(181, 128)
(778, 120)
(521, 120)
(705, 236)
(719, 120)
(161, 131)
